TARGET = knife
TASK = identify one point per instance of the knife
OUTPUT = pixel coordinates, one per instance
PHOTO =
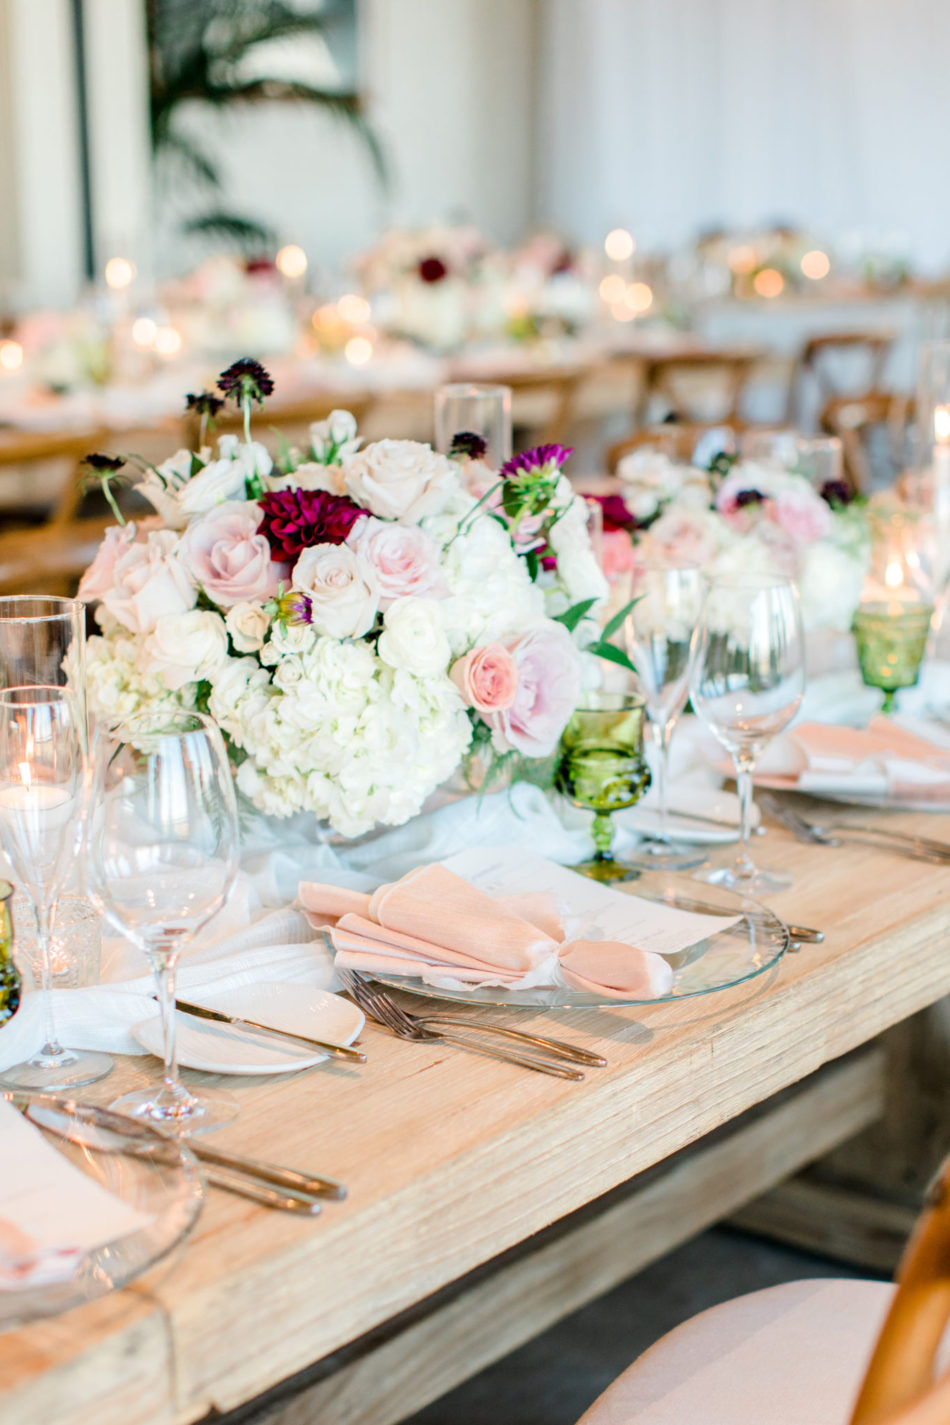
(333, 1051)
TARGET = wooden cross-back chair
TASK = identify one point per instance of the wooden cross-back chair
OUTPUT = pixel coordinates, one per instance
(57, 500)
(543, 402)
(678, 439)
(875, 434)
(676, 378)
(817, 361)
(829, 1352)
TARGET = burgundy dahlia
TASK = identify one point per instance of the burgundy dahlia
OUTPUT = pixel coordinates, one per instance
(432, 269)
(293, 520)
(615, 513)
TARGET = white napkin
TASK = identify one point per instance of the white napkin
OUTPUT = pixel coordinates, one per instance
(279, 947)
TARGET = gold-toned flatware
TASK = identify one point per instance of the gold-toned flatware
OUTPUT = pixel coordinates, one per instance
(333, 1051)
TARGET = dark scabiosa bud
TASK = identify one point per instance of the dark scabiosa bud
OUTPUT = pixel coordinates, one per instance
(246, 380)
(432, 269)
(467, 443)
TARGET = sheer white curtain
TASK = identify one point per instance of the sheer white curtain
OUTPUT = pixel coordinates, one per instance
(671, 115)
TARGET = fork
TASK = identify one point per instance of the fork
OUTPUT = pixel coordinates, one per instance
(920, 848)
(378, 1005)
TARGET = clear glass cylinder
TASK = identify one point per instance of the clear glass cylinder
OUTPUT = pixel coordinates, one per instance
(482, 410)
(821, 459)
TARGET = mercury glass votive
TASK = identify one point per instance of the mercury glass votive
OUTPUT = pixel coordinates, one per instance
(891, 639)
(603, 768)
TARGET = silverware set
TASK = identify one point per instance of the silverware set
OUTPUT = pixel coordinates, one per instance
(292, 1041)
(542, 1054)
(918, 848)
(269, 1184)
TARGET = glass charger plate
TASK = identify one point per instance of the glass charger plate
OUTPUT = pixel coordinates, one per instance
(156, 1175)
(735, 954)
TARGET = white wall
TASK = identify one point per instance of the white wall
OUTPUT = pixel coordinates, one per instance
(448, 90)
(673, 115)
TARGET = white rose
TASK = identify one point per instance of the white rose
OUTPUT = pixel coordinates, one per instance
(310, 476)
(413, 637)
(400, 479)
(184, 648)
(247, 624)
(341, 588)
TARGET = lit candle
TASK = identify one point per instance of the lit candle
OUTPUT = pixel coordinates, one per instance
(941, 467)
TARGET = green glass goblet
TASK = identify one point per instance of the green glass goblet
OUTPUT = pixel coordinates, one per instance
(891, 640)
(602, 768)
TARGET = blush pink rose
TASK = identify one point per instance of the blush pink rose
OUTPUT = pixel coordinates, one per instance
(404, 559)
(616, 554)
(99, 578)
(683, 536)
(224, 553)
(802, 514)
(549, 684)
(150, 580)
(487, 678)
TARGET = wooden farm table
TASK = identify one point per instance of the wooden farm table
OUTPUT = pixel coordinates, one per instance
(453, 1160)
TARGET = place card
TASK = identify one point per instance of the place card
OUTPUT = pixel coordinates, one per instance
(591, 911)
(47, 1204)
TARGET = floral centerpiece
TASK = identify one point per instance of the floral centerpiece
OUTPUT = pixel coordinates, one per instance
(737, 516)
(355, 618)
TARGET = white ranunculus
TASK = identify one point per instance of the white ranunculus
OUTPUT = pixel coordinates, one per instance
(309, 476)
(162, 485)
(400, 480)
(253, 457)
(414, 638)
(247, 624)
(185, 648)
(341, 588)
(221, 480)
(578, 572)
(335, 438)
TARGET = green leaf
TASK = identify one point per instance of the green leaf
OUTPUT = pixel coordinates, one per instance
(531, 560)
(615, 624)
(611, 654)
(571, 617)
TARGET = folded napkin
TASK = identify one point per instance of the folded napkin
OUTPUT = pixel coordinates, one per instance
(882, 759)
(436, 925)
(280, 946)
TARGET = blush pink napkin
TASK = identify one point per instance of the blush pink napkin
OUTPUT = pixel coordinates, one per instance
(434, 924)
(911, 764)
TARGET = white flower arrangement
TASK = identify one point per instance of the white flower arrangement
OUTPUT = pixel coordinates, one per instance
(353, 618)
(741, 516)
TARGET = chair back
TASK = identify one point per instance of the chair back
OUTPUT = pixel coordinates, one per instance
(689, 382)
(899, 1386)
(875, 430)
(836, 364)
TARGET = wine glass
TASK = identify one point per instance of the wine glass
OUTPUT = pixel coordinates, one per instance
(667, 601)
(41, 780)
(602, 768)
(746, 683)
(162, 845)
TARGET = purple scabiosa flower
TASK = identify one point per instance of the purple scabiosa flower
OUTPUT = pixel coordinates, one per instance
(246, 380)
(204, 403)
(836, 492)
(293, 520)
(467, 443)
(432, 269)
(99, 462)
(749, 497)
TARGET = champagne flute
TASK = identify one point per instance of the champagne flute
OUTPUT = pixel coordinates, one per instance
(41, 778)
(162, 839)
(602, 768)
(667, 601)
(746, 683)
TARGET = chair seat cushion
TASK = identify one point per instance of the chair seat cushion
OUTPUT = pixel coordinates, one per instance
(791, 1355)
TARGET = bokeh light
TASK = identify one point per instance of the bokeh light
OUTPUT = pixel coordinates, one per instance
(144, 331)
(291, 260)
(619, 245)
(639, 297)
(353, 309)
(769, 282)
(11, 355)
(816, 264)
(613, 288)
(167, 341)
(119, 273)
(358, 350)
